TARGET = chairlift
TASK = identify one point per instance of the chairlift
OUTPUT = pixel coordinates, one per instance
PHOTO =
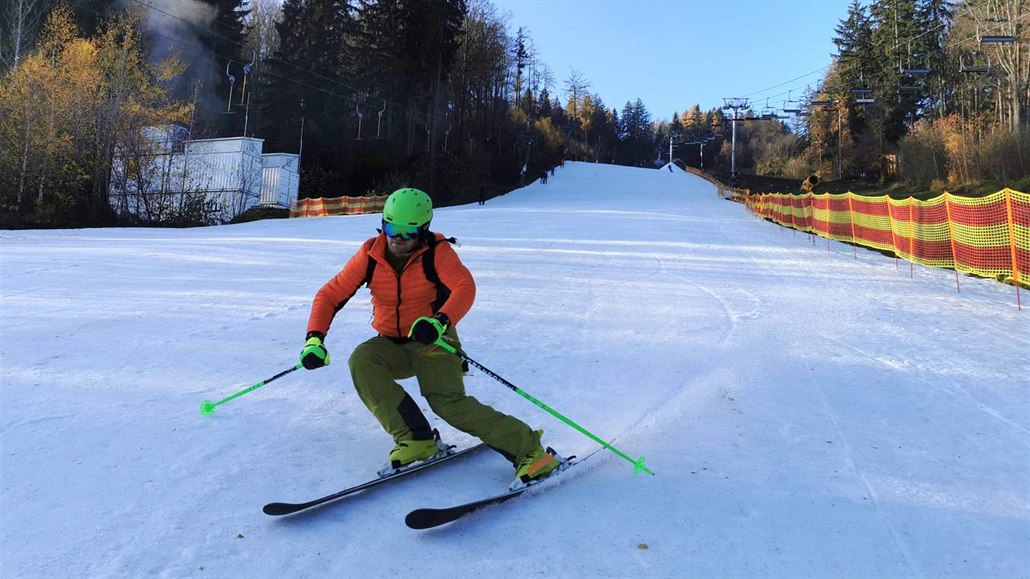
(820, 103)
(915, 71)
(361, 115)
(379, 125)
(863, 95)
(768, 112)
(970, 65)
(1001, 39)
(790, 106)
(911, 69)
(994, 38)
(246, 74)
(232, 83)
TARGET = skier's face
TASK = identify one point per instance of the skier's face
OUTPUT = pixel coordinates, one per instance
(401, 247)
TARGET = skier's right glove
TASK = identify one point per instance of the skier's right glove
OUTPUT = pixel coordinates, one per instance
(314, 355)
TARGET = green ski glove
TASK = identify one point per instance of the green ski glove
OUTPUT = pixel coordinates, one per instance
(429, 330)
(314, 355)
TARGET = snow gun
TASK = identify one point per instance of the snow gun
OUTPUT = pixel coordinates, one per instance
(207, 408)
(638, 464)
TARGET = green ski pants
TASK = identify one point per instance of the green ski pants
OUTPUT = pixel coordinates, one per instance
(376, 364)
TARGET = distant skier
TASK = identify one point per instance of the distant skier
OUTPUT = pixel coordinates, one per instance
(809, 184)
(403, 260)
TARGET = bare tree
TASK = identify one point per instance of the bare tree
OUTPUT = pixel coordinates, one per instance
(262, 37)
(19, 22)
(576, 86)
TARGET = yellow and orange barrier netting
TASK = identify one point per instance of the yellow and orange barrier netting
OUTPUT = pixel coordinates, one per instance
(322, 206)
(986, 236)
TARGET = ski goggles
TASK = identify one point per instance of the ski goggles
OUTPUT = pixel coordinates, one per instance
(402, 232)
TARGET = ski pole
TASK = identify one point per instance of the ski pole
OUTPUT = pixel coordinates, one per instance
(638, 465)
(207, 408)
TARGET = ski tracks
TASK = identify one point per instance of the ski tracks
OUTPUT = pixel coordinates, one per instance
(958, 392)
(903, 547)
(737, 310)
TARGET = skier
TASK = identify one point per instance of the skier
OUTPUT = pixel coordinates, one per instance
(411, 311)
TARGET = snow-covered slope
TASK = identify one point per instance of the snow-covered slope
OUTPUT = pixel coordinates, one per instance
(806, 412)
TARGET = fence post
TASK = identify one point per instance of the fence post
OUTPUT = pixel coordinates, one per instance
(1012, 244)
(951, 238)
(851, 216)
(911, 240)
(894, 238)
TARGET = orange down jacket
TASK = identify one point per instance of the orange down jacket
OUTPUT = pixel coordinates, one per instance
(397, 299)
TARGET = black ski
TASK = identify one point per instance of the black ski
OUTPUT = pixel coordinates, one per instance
(277, 509)
(429, 518)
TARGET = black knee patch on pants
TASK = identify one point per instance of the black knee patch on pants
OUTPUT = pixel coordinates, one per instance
(414, 419)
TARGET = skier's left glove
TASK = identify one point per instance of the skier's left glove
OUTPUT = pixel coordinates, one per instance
(429, 330)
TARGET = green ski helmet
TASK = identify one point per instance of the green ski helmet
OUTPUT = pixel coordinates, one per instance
(407, 213)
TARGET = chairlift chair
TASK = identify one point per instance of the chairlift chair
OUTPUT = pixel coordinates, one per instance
(912, 69)
(970, 66)
(915, 71)
(232, 84)
(379, 125)
(999, 39)
(995, 37)
(863, 95)
(361, 116)
(791, 106)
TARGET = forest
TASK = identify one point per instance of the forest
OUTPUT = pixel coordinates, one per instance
(446, 95)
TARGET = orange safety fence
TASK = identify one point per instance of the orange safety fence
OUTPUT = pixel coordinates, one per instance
(322, 206)
(986, 236)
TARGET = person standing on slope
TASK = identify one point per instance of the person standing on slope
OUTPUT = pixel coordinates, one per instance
(420, 291)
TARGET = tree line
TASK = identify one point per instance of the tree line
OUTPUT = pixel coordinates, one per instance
(374, 94)
(446, 96)
(931, 93)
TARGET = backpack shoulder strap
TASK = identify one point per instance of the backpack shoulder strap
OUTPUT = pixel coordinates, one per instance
(370, 269)
(429, 259)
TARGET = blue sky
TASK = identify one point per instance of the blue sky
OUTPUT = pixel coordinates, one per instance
(675, 53)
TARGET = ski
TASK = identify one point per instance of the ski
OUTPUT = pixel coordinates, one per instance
(429, 518)
(277, 509)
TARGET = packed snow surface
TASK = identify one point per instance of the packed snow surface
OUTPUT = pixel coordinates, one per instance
(809, 410)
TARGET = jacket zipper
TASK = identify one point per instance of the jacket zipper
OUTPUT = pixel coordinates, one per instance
(398, 309)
